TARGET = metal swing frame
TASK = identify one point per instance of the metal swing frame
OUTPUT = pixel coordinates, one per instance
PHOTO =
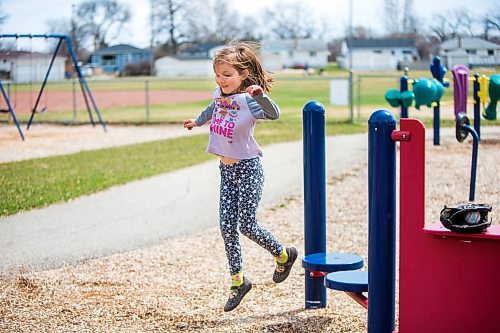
(87, 94)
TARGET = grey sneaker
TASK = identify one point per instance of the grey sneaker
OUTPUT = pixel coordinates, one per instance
(237, 294)
(283, 270)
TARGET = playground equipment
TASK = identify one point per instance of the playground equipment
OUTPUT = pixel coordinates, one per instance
(429, 92)
(425, 92)
(317, 262)
(460, 88)
(462, 129)
(441, 273)
(10, 109)
(437, 267)
(87, 94)
(494, 92)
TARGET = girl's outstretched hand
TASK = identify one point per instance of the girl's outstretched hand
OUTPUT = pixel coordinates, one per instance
(189, 124)
(255, 90)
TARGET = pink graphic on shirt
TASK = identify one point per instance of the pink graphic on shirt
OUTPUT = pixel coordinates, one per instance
(224, 105)
(223, 124)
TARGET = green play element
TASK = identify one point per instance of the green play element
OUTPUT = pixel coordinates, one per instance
(396, 98)
(393, 96)
(427, 91)
(494, 92)
(407, 98)
(440, 90)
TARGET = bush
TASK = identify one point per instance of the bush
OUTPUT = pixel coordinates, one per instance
(137, 69)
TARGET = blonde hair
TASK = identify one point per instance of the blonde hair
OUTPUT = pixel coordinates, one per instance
(243, 56)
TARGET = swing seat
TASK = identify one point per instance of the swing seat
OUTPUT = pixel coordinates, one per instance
(332, 262)
(4, 111)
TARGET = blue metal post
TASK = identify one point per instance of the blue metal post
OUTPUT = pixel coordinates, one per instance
(83, 81)
(11, 110)
(438, 71)
(33, 111)
(473, 168)
(314, 197)
(381, 222)
(477, 106)
(436, 123)
(403, 86)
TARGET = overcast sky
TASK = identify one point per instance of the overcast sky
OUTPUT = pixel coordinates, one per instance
(31, 16)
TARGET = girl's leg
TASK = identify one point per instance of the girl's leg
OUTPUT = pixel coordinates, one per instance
(228, 211)
(250, 193)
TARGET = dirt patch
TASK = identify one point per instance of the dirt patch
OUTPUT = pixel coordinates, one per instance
(23, 102)
(48, 140)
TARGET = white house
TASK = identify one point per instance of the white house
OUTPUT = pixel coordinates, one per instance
(173, 66)
(378, 54)
(195, 60)
(469, 51)
(299, 52)
(275, 55)
(26, 67)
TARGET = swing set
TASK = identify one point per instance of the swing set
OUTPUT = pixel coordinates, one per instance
(87, 94)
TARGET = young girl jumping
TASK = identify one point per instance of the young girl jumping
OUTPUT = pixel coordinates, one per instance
(238, 101)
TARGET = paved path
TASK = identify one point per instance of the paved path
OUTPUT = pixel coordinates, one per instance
(143, 213)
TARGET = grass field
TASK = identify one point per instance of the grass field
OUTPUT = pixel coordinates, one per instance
(291, 92)
(39, 182)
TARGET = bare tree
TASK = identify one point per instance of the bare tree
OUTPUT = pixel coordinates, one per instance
(188, 21)
(65, 27)
(197, 27)
(452, 24)
(169, 16)
(102, 20)
(229, 24)
(392, 16)
(409, 20)
(439, 27)
(247, 31)
(3, 18)
(3, 14)
(491, 21)
(360, 32)
(400, 19)
(461, 23)
(226, 21)
(290, 20)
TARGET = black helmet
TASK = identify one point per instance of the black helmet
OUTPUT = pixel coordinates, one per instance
(466, 218)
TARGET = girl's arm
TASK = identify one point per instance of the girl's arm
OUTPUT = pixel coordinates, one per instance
(261, 106)
(204, 116)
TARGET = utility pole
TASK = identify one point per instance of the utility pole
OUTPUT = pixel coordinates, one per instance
(152, 40)
(72, 36)
(73, 27)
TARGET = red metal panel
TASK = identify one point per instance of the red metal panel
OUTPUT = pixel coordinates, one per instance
(493, 232)
(446, 284)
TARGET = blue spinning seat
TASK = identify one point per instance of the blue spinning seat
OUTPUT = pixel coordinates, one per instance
(349, 281)
(332, 262)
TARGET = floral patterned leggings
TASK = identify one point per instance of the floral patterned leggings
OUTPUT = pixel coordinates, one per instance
(240, 193)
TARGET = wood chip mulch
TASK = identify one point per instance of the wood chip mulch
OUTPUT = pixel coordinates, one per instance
(182, 284)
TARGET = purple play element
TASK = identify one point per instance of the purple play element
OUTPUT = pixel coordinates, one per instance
(460, 88)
